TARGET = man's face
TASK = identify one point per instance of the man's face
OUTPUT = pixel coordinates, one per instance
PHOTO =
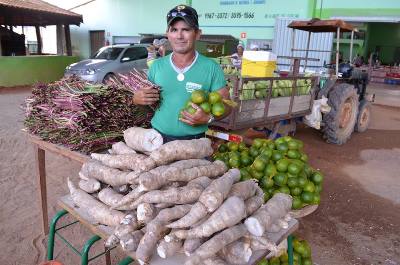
(182, 37)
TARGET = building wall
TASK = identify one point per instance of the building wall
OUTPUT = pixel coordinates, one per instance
(253, 18)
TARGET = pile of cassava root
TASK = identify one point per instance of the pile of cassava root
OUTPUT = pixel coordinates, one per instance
(167, 198)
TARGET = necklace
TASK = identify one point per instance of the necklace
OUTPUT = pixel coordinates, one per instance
(180, 77)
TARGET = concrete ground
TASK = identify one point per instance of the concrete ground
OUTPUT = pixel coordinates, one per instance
(357, 222)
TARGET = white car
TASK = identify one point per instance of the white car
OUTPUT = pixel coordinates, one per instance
(109, 61)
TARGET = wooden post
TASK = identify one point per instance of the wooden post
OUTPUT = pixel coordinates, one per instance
(60, 39)
(39, 40)
(68, 40)
(41, 181)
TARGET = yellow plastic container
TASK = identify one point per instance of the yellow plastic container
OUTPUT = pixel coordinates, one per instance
(258, 64)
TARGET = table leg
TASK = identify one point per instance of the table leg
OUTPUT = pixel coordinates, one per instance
(108, 256)
(41, 178)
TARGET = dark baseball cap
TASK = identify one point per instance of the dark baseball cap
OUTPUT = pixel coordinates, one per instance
(187, 13)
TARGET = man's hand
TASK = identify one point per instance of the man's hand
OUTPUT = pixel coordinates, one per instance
(146, 96)
(197, 118)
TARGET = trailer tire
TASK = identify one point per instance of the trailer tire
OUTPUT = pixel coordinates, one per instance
(339, 123)
(363, 117)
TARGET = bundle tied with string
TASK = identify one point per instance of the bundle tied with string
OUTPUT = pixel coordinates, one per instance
(83, 116)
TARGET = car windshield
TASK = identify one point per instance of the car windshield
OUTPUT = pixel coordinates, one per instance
(110, 53)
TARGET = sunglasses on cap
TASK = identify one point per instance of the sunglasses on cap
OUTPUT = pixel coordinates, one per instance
(186, 13)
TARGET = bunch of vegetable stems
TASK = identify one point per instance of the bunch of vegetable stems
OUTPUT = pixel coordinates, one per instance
(83, 116)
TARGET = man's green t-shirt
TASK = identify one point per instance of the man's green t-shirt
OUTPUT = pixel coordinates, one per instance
(203, 74)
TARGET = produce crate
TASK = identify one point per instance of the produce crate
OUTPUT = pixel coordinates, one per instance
(274, 99)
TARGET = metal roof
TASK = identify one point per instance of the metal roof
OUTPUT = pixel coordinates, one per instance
(386, 19)
(35, 13)
(317, 25)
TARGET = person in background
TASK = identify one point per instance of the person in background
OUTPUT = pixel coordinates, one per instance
(179, 74)
(236, 58)
(358, 61)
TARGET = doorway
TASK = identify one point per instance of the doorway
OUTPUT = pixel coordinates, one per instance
(97, 40)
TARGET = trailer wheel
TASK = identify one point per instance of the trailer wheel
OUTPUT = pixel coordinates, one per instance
(340, 121)
(364, 116)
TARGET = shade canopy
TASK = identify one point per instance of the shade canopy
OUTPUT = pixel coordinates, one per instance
(317, 25)
(35, 13)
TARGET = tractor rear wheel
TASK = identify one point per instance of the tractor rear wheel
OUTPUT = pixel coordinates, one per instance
(364, 116)
(340, 121)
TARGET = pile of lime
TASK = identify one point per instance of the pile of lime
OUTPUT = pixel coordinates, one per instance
(279, 166)
(209, 103)
(301, 255)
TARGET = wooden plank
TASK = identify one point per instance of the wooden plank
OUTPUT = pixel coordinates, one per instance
(42, 188)
(301, 103)
(279, 106)
(58, 149)
(104, 231)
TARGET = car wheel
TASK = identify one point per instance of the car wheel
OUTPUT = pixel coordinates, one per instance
(110, 78)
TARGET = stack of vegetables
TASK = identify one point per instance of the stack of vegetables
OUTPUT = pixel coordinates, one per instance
(82, 116)
(280, 88)
(167, 198)
(301, 255)
(278, 166)
(209, 102)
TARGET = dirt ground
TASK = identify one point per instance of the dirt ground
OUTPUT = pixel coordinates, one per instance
(356, 223)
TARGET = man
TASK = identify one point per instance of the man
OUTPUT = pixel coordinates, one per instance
(236, 58)
(178, 74)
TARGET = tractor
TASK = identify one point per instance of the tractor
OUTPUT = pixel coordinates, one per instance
(344, 86)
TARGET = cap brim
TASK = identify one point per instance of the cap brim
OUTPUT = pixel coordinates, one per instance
(188, 21)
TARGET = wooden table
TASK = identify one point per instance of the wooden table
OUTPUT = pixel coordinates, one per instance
(40, 150)
(104, 231)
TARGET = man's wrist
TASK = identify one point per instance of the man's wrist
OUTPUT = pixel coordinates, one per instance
(211, 119)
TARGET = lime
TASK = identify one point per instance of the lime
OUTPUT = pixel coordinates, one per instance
(267, 182)
(233, 146)
(258, 165)
(206, 107)
(287, 138)
(254, 152)
(218, 109)
(293, 145)
(274, 261)
(270, 190)
(289, 175)
(198, 96)
(245, 160)
(234, 154)
(307, 197)
(302, 181)
(304, 157)
(214, 97)
(244, 174)
(282, 165)
(300, 144)
(317, 199)
(234, 162)
(276, 155)
(279, 141)
(280, 179)
(256, 174)
(307, 261)
(282, 147)
(309, 186)
(292, 182)
(296, 257)
(284, 257)
(284, 189)
(293, 169)
(318, 188)
(258, 142)
(296, 203)
(271, 145)
(223, 148)
(242, 146)
(267, 152)
(295, 191)
(317, 177)
(267, 196)
(300, 248)
(308, 170)
(191, 110)
(294, 154)
(270, 170)
(263, 261)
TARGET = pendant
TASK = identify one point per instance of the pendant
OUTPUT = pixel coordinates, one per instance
(180, 77)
